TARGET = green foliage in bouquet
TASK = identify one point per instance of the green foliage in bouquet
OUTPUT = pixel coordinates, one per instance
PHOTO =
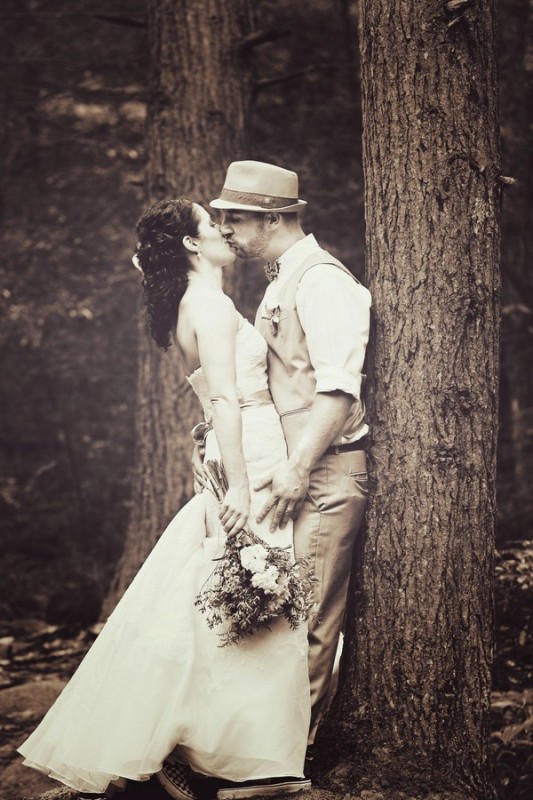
(253, 583)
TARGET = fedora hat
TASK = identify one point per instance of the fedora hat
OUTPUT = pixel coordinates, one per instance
(256, 186)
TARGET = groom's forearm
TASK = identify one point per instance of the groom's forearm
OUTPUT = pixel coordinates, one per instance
(325, 422)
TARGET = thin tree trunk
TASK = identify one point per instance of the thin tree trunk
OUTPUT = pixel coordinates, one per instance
(199, 95)
(413, 705)
(516, 437)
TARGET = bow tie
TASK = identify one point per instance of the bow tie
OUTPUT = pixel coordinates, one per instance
(272, 269)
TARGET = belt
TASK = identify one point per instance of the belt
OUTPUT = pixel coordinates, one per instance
(360, 444)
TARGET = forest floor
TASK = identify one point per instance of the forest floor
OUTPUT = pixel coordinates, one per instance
(36, 660)
(512, 697)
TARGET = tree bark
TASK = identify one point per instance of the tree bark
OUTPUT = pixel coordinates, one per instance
(198, 105)
(412, 711)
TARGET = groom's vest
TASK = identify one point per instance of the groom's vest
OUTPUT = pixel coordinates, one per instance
(290, 372)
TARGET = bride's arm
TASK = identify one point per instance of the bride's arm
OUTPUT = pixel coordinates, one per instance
(216, 330)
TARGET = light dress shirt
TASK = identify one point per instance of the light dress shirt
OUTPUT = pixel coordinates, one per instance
(334, 312)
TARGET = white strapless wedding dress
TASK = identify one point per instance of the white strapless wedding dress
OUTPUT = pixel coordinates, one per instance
(156, 678)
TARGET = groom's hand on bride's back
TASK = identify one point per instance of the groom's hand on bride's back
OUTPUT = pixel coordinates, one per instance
(288, 490)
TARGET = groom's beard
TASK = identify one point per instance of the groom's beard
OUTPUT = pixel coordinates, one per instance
(254, 248)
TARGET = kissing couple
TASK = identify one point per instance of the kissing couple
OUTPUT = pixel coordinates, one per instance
(156, 695)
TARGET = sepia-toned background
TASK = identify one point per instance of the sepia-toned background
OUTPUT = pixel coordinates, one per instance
(74, 93)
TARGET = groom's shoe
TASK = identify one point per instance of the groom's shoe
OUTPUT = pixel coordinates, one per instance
(269, 787)
(175, 778)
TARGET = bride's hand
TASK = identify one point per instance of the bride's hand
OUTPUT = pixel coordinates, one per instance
(235, 509)
(198, 475)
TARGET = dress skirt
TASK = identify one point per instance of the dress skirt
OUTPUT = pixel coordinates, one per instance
(156, 679)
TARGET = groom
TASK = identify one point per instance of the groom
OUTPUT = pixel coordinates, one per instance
(315, 318)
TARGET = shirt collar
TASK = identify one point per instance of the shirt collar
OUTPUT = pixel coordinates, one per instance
(294, 256)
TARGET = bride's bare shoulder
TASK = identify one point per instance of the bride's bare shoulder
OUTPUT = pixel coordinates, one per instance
(206, 304)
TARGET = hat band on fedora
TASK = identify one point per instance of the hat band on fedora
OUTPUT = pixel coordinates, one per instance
(259, 200)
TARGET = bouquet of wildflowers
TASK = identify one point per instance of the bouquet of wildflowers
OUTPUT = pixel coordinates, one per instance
(253, 583)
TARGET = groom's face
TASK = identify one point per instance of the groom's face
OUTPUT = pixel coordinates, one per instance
(246, 233)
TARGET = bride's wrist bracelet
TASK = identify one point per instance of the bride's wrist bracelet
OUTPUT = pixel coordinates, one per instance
(200, 431)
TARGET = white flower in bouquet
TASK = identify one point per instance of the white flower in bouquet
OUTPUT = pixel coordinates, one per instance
(253, 557)
(267, 580)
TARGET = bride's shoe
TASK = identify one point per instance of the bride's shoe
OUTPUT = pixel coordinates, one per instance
(175, 780)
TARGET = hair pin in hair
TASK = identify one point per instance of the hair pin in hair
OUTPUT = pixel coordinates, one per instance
(136, 263)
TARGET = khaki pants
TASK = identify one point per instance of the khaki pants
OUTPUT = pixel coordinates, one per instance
(325, 530)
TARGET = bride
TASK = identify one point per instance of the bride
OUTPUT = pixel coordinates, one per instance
(156, 681)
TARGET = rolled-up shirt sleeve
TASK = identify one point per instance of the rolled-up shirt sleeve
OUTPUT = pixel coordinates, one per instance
(334, 312)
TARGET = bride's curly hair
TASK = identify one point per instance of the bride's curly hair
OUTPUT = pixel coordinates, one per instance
(164, 263)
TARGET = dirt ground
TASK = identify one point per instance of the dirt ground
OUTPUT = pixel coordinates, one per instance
(36, 660)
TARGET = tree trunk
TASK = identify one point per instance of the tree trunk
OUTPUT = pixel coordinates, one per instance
(198, 105)
(412, 711)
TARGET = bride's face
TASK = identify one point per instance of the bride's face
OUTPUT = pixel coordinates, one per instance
(213, 246)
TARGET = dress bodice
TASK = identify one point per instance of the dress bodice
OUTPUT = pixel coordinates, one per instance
(250, 365)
